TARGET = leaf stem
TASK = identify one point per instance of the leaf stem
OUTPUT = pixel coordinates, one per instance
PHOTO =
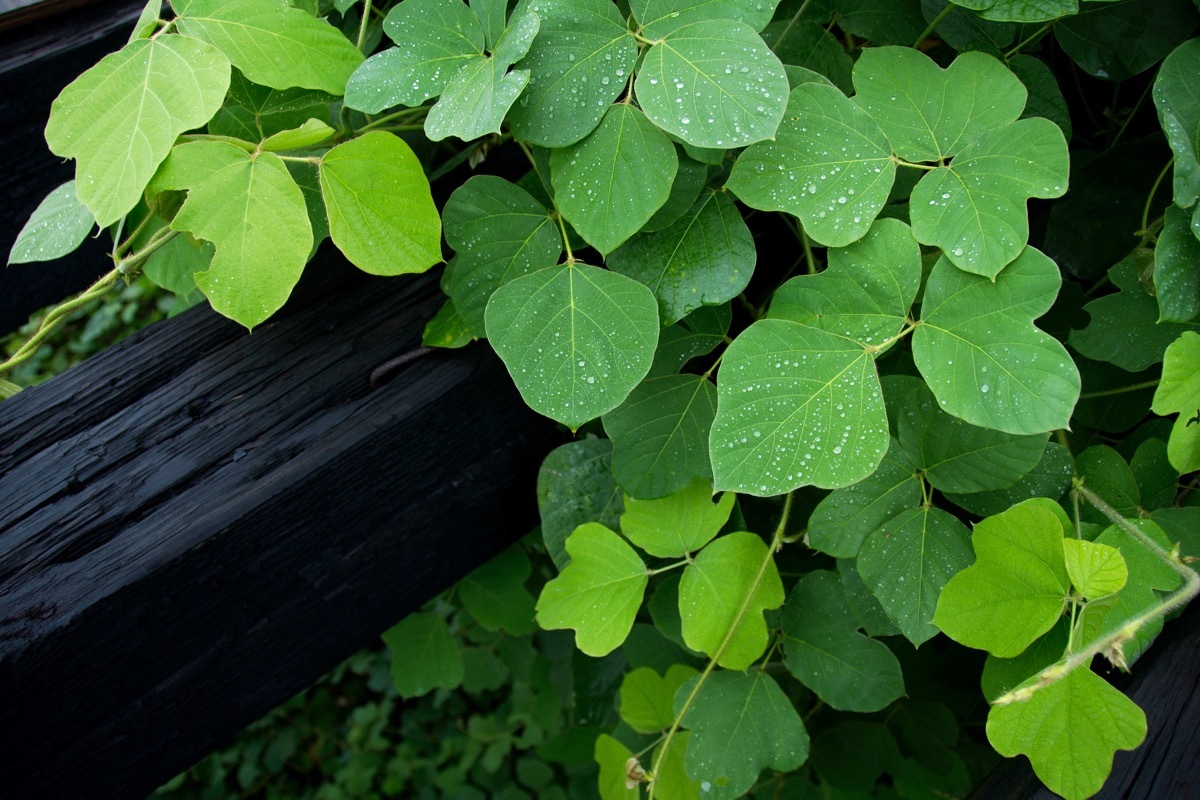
(133, 261)
(403, 114)
(1029, 39)
(125, 245)
(1122, 390)
(776, 542)
(683, 562)
(808, 253)
(1153, 191)
(1133, 113)
(900, 162)
(936, 21)
(791, 23)
(362, 28)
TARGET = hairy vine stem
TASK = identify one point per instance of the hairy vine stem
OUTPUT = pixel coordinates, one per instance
(776, 542)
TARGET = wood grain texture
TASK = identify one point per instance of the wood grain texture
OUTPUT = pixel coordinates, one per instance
(199, 522)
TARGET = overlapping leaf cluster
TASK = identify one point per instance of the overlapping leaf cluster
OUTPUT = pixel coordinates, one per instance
(749, 259)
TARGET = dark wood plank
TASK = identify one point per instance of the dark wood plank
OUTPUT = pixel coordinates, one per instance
(199, 522)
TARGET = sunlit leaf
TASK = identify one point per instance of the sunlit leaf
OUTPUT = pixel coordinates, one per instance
(1179, 391)
(676, 525)
(56, 227)
(647, 698)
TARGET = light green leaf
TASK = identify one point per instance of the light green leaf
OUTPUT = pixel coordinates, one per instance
(974, 209)
(714, 588)
(797, 406)
(1177, 268)
(251, 209)
(576, 339)
(843, 519)
(121, 117)
(609, 184)
(1148, 576)
(825, 651)
(147, 21)
(741, 725)
(660, 18)
(575, 485)
(577, 66)
(647, 697)
(436, 37)
(1179, 391)
(829, 165)
(906, 563)
(424, 657)
(713, 84)
(495, 593)
(1050, 477)
(613, 758)
(447, 328)
(1017, 588)
(660, 435)
(1177, 98)
(1095, 569)
(1028, 10)
(672, 779)
(677, 525)
(705, 258)
(1070, 731)
(475, 100)
(500, 233)
(311, 133)
(56, 227)
(599, 592)
(958, 456)
(866, 292)
(983, 357)
(381, 213)
(174, 266)
(929, 113)
(272, 43)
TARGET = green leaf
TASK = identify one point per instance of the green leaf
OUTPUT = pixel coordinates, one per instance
(714, 588)
(974, 209)
(806, 44)
(1045, 98)
(697, 334)
(1108, 475)
(706, 257)
(983, 357)
(843, 519)
(56, 227)
(1157, 480)
(1116, 41)
(660, 435)
(1017, 588)
(958, 456)
(475, 100)
(882, 21)
(659, 18)
(1095, 569)
(1028, 10)
(741, 725)
(1001, 675)
(1179, 391)
(609, 184)
(575, 485)
(500, 233)
(447, 328)
(825, 651)
(147, 21)
(273, 44)
(672, 781)
(863, 605)
(907, 562)
(312, 132)
(613, 758)
(850, 755)
(253, 212)
(381, 213)
(647, 697)
(598, 594)
(965, 30)
(1124, 328)
(1070, 731)
(1177, 268)
(689, 182)
(829, 165)
(677, 525)
(1178, 101)
(866, 292)
(1148, 576)
(424, 657)
(576, 339)
(495, 593)
(713, 84)
(928, 113)
(578, 64)
(1050, 477)
(493, 14)
(174, 266)
(437, 39)
(146, 94)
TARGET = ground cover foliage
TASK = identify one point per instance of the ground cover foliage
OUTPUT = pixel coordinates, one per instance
(876, 324)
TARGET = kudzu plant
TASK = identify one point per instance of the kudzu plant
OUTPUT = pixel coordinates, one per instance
(790, 474)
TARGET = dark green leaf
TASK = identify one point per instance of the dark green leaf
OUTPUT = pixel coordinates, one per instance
(1177, 268)
(575, 485)
(841, 521)
(1178, 100)
(1116, 41)
(495, 593)
(424, 657)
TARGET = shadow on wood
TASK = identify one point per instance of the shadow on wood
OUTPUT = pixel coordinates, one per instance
(198, 523)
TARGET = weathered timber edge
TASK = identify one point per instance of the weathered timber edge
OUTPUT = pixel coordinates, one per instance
(199, 522)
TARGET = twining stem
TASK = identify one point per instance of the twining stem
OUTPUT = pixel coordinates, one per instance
(776, 541)
(808, 253)
(791, 24)
(1136, 107)
(936, 21)
(1029, 39)
(1120, 390)
(1113, 641)
(1153, 191)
